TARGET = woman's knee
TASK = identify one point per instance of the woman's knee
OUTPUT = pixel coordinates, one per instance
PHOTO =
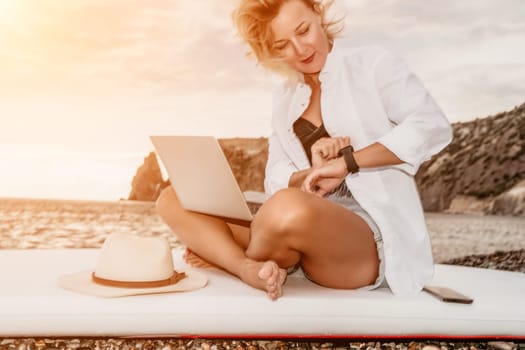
(285, 212)
(167, 202)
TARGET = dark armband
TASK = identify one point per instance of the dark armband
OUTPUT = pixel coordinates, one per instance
(348, 155)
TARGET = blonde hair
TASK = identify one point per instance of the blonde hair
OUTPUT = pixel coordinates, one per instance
(252, 19)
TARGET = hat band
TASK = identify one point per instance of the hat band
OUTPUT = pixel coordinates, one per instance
(177, 276)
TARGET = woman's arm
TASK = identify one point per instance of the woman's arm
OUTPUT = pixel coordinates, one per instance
(420, 127)
(375, 155)
(322, 180)
(323, 150)
(297, 178)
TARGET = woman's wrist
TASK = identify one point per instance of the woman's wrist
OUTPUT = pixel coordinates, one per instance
(297, 178)
(375, 155)
(347, 154)
(342, 167)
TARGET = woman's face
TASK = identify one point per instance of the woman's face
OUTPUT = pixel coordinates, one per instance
(299, 38)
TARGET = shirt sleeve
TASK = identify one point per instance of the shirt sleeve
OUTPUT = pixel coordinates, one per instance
(420, 127)
(279, 167)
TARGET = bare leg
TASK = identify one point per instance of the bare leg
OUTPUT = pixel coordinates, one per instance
(194, 260)
(241, 236)
(216, 242)
(335, 246)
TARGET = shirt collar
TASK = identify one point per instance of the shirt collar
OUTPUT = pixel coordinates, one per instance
(332, 62)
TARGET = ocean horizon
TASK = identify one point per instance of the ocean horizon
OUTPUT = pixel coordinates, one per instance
(73, 175)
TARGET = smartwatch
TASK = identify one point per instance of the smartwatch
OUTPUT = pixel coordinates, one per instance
(348, 155)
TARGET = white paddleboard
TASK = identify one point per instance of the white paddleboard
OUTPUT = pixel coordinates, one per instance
(31, 303)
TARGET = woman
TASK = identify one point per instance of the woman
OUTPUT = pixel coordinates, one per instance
(350, 129)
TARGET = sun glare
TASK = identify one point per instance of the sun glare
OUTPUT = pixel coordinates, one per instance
(8, 9)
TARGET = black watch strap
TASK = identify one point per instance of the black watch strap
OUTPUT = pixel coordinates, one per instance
(348, 155)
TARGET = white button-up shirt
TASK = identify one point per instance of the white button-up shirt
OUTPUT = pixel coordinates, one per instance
(371, 96)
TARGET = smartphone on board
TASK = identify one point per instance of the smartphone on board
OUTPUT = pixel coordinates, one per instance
(448, 295)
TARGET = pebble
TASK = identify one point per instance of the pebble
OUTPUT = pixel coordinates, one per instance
(74, 344)
(501, 345)
(430, 347)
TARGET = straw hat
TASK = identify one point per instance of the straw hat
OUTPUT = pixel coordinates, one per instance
(133, 265)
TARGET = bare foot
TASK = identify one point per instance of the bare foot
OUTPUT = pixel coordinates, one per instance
(194, 260)
(265, 275)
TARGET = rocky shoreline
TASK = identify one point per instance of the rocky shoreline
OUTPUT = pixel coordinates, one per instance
(53, 224)
(513, 260)
(238, 344)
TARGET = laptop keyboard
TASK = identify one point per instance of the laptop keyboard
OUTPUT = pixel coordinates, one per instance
(254, 207)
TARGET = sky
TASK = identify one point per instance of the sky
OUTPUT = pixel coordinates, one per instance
(84, 83)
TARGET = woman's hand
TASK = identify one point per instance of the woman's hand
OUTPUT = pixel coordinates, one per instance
(326, 149)
(326, 178)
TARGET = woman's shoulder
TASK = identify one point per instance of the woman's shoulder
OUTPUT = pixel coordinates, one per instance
(283, 90)
(281, 96)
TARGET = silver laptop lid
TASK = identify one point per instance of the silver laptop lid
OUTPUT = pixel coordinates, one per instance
(201, 175)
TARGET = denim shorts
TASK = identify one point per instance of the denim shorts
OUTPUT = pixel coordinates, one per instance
(345, 199)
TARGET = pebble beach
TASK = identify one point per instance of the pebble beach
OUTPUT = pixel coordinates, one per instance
(52, 224)
(496, 242)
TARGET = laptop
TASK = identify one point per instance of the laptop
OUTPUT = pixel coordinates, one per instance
(203, 180)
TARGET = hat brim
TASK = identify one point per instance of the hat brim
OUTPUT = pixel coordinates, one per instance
(81, 282)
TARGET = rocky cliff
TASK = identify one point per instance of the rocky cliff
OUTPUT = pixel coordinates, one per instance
(147, 182)
(247, 158)
(481, 171)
